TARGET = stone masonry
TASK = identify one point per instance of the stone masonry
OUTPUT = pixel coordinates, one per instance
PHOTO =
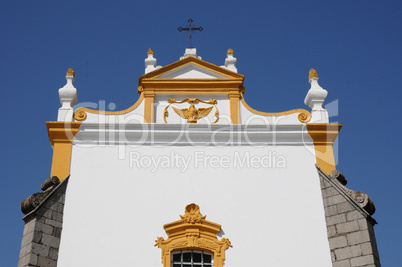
(42, 231)
(350, 227)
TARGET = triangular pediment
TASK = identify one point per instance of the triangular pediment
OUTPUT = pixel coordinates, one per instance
(192, 68)
(191, 71)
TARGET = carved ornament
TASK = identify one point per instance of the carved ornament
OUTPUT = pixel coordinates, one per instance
(304, 117)
(70, 72)
(312, 74)
(150, 52)
(193, 232)
(362, 199)
(230, 51)
(80, 115)
(192, 114)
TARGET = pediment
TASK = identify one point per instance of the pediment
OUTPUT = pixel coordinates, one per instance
(191, 71)
(192, 68)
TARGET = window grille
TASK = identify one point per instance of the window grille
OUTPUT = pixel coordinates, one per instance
(192, 258)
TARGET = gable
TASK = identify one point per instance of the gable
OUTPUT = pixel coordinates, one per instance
(191, 71)
(191, 68)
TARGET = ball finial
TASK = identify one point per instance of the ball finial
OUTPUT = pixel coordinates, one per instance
(312, 74)
(70, 72)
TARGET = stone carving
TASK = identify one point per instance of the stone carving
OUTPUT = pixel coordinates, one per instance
(70, 72)
(192, 214)
(192, 114)
(80, 115)
(36, 199)
(362, 199)
(193, 232)
(312, 74)
(304, 117)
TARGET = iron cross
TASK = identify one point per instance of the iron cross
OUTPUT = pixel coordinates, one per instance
(190, 29)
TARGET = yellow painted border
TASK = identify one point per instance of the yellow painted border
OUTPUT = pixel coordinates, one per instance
(80, 113)
(193, 232)
(61, 136)
(303, 117)
(324, 136)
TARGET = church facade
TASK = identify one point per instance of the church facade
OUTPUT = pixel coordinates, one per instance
(191, 175)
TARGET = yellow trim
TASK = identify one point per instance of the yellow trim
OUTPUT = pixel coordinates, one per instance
(149, 106)
(61, 136)
(303, 117)
(193, 232)
(80, 113)
(191, 86)
(324, 136)
(234, 98)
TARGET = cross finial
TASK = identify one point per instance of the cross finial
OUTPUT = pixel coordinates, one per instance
(190, 29)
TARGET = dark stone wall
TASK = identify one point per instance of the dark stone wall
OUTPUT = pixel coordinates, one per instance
(42, 231)
(349, 227)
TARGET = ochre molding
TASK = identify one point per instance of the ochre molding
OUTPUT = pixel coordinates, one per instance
(303, 117)
(149, 99)
(80, 114)
(191, 86)
(61, 136)
(193, 232)
(234, 98)
(324, 136)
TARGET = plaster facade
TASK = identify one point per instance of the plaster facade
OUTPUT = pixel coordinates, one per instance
(192, 138)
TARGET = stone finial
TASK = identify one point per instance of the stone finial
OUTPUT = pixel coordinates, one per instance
(230, 61)
(315, 99)
(150, 62)
(68, 98)
(70, 72)
(312, 74)
(190, 52)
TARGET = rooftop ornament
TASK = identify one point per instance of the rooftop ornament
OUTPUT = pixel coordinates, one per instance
(315, 99)
(68, 98)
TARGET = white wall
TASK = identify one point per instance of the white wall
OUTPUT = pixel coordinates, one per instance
(114, 211)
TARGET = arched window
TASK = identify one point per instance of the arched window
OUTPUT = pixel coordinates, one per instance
(192, 241)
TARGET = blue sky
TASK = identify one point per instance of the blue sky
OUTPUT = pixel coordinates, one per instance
(354, 45)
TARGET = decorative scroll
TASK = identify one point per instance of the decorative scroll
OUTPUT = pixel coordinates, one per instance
(80, 115)
(304, 117)
(192, 114)
(361, 198)
(193, 232)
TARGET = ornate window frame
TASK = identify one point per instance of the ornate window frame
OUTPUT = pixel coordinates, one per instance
(193, 232)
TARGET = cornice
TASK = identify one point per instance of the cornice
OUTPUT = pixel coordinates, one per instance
(192, 134)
